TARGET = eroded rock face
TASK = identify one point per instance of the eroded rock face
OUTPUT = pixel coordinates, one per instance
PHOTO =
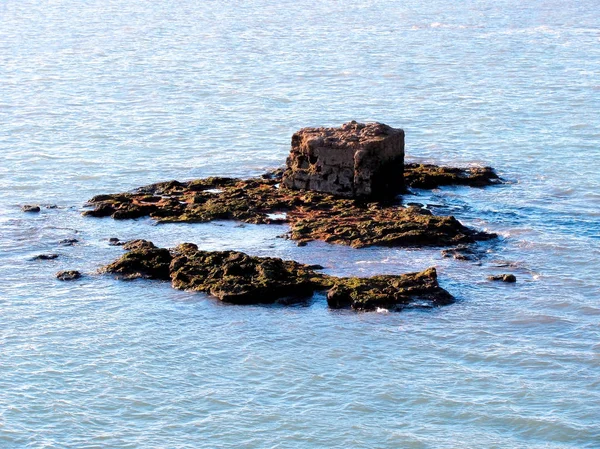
(238, 278)
(355, 160)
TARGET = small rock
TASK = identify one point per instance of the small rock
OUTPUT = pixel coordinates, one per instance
(113, 241)
(138, 244)
(30, 208)
(68, 242)
(68, 275)
(45, 257)
(503, 277)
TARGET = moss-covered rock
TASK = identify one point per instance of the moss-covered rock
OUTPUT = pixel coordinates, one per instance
(389, 292)
(144, 260)
(311, 215)
(238, 278)
(429, 176)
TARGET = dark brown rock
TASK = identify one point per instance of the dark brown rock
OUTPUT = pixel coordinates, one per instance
(68, 275)
(46, 257)
(68, 242)
(510, 278)
(355, 160)
(238, 278)
(143, 261)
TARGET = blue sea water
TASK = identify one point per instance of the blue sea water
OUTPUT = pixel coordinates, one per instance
(104, 96)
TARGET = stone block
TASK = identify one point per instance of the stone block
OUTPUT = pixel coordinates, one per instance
(355, 160)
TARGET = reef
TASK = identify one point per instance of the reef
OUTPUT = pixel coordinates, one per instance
(235, 277)
(311, 215)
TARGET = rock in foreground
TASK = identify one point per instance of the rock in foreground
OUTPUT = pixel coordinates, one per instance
(355, 160)
(238, 278)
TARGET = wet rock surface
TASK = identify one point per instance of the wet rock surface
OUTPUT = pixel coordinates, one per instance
(510, 278)
(46, 257)
(354, 160)
(68, 242)
(389, 292)
(428, 176)
(310, 215)
(238, 278)
(68, 275)
(33, 208)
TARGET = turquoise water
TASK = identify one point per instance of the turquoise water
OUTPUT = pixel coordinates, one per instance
(105, 96)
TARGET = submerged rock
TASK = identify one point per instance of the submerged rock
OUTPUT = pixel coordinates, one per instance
(510, 278)
(68, 242)
(354, 160)
(311, 215)
(30, 208)
(68, 275)
(46, 257)
(238, 278)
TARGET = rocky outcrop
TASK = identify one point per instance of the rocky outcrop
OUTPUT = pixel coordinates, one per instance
(238, 278)
(355, 160)
(311, 215)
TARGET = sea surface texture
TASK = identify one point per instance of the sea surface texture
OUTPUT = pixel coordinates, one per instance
(105, 96)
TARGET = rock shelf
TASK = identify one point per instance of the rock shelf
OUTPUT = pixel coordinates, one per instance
(235, 277)
(310, 215)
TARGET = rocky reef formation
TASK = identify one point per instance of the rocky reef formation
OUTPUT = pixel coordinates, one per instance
(238, 278)
(310, 215)
(354, 160)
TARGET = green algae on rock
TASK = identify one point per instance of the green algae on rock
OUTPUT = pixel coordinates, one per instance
(429, 176)
(238, 278)
(311, 215)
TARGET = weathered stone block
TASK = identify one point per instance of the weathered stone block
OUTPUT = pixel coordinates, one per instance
(355, 160)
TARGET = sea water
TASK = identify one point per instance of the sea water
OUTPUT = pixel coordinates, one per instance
(105, 96)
